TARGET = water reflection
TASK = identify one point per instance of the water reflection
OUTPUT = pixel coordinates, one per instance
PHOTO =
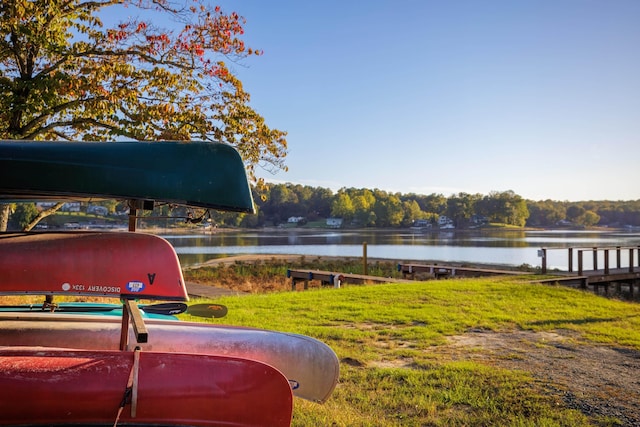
(509, 247)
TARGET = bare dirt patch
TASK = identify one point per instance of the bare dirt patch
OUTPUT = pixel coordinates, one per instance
(598, 380)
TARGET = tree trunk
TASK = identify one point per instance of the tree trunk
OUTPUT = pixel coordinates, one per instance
(53, 209)
(5, 210)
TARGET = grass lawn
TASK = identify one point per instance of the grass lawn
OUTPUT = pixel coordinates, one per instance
(386, 337)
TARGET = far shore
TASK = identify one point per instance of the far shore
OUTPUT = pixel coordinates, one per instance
(197, 230)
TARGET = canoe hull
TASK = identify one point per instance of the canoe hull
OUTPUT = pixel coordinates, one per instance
(311, 366)
(131, 265)
(209, 175)
(61, 387)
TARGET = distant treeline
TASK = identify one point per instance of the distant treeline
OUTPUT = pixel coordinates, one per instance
(293, 204)
(278, 203)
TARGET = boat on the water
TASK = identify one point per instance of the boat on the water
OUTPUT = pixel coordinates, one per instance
(68, 363)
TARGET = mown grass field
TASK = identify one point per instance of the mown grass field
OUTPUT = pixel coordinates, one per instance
(386, 337)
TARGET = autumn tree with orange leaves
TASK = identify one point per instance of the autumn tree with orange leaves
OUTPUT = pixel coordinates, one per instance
(64, 75)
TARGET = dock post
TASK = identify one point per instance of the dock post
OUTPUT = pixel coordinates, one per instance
(584, 282)
(570, 260)
(580, 262)
(595, 259)
(606, 261)
(306, 281)
(293, 280)
(542, 253)
(631, 260)
(617, 256)
(364, 259)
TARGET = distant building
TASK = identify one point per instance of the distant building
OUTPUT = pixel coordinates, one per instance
(421, 224)
(479, 219)
(71, 207)
(67, 207)
(97, 210)
(334, 222)
(444, 221)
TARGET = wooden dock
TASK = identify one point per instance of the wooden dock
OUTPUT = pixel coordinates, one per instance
(440, 271)
(576, 255)
(612, 274)
(606, 270)
(335, 279)
(599, 281)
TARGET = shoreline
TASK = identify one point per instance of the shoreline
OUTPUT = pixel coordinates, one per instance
(195, 230)
(263, 258)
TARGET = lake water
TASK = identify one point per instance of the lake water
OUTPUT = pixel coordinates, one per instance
(504, 247)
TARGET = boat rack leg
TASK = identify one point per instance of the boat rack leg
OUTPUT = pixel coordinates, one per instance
(131, 311)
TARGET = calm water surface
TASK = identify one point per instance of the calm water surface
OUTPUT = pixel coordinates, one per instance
(495, 247)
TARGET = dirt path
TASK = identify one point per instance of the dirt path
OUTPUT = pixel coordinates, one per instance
(594, 379)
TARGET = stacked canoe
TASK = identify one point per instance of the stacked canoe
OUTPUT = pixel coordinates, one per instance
(79, 366)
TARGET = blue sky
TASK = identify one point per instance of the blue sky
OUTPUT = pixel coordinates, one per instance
(539, 97)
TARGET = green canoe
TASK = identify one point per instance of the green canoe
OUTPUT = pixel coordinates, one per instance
(208, 175)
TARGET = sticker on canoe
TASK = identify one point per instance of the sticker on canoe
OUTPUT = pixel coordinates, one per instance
(104, 289)
(91, 288)
(135, 286)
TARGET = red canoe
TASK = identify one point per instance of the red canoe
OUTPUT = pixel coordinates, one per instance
(41, 386)
(130, 265)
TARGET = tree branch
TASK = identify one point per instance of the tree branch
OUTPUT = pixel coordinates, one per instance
(36, 121)
(68, 123)
(44, 213)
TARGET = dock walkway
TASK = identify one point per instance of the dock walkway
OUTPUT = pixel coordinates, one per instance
(335, 279)
(589, 274)
(439, 271)
(598, 280)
